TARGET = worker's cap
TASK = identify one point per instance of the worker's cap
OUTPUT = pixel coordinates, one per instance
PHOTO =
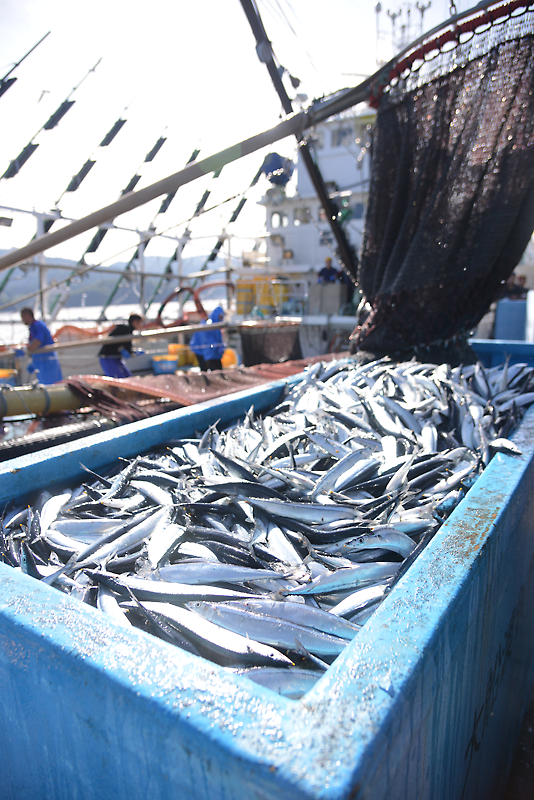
(328, 260)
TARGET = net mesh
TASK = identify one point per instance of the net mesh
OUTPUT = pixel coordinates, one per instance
(451, 206)
(270, 345)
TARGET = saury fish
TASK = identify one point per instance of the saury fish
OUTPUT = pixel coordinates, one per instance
(269, 543)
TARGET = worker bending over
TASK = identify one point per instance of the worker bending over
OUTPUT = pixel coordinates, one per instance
(46, 365)
(112, 355)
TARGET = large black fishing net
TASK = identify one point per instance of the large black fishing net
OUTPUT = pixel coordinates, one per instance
(451, 206)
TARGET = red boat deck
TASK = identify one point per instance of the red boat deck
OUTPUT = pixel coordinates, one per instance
(189, 388)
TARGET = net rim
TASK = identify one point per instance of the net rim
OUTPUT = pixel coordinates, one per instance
(475, 21)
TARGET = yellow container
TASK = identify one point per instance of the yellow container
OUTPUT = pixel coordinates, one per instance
(164, 365)
(180, 352)
(266, 294)
(8, 376)
(229, 358)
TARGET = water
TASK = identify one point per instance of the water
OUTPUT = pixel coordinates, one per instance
(14, 332)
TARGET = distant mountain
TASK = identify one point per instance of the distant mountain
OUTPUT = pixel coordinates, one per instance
(94, 288)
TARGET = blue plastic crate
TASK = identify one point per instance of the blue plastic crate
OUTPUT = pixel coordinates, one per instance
(164, 365)
(425, 703)
(492, 352)
(510, 319)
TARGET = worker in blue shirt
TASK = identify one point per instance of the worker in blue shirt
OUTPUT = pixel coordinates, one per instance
(46, 365)
(208, 344)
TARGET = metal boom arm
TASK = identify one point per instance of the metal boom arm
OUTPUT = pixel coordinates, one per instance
(345, 250)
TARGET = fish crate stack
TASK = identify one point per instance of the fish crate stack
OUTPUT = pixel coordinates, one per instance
(388, 641)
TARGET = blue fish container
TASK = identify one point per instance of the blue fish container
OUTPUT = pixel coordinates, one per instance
(164, 365)
(492, 352)
(426, 702)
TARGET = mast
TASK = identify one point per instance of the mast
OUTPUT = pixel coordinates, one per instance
(41, 261)
(345, 251)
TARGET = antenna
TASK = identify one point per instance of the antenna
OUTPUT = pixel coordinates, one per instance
(404, 28)
(422, 8)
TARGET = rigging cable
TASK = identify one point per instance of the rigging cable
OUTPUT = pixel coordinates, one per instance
(74, 184)
(101, 232)
(132, 183)
(72, 187)
(167, 274)
(235, 214)
(368, 90)
(346, 254)
(6, 82)
(298, 39)
(85, 268)
(17, 163)
(167, 200)
(89, 164)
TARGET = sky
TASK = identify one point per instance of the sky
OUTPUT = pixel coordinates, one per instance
(185, 70)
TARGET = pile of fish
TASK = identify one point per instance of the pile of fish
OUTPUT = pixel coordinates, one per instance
(267, 545)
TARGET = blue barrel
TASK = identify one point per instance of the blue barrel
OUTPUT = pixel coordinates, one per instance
(425, 703)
